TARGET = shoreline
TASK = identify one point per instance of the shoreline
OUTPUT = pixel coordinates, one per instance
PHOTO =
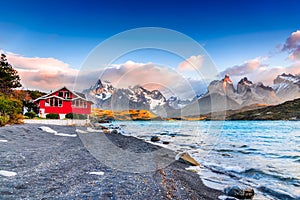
(49, 165)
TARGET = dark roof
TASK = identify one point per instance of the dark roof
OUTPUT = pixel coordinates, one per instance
(80, 94)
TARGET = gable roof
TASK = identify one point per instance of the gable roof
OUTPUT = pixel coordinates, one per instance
(77, 95)
(80, 94)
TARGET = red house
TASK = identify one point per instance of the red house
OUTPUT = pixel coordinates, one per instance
(62, 102)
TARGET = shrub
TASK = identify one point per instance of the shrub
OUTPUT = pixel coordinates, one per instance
(17, 119)
(4, 120)
(10, 111)
(69, 116)
(79, 116)
(30, 115)
(75, 116)
(52, 116)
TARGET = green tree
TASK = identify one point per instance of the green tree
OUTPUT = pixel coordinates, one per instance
(9, 78)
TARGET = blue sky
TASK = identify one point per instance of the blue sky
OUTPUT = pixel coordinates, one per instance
(231, 31)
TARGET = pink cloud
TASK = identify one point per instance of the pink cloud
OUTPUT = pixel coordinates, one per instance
(42, 73)
(245, 68)
(46, 74)
(191, 64)
(150, 76)
(131, 73)
(292, 45)
(256, 71)
(267, 75)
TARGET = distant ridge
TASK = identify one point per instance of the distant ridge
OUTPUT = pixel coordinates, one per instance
(289, 110)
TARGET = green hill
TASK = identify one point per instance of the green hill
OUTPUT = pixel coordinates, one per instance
(289, 110)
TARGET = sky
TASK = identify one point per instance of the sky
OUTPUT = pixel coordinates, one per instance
(48, 42)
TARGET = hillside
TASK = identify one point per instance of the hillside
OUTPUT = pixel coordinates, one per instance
(289, 110)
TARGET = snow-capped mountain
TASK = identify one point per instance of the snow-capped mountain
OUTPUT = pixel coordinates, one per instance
(103, 90)
(105, 96)
(221, 95)
(154, 98)
(287, 86)
(177, 103)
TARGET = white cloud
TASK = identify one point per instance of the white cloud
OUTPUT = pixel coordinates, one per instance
(247, 67)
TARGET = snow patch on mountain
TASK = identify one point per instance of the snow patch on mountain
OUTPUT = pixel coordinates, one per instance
(287, 86)
(103, 90)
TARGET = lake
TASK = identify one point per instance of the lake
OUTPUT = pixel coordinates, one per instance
(262, 154)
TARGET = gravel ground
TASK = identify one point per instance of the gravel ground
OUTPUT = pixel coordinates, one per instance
(50, 166)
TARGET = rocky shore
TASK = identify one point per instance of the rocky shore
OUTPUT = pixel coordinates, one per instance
(36, 164)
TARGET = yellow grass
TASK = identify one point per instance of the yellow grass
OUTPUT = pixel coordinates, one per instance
(123, 115)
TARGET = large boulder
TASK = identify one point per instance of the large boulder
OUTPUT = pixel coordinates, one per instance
(155, 139)
(186, 158)
(240, 192)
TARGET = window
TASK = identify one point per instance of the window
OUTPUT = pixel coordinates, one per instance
(79, 103)
(64, 94)
(60, 94)
(54, 102)
(67, 95)
(60, 102)
(47, 102)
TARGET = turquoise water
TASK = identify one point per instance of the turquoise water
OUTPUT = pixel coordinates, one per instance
(262, 154)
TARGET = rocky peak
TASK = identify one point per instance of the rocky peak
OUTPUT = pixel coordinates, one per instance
(244, 85)
(264, 87)
(102, 90)
(227, 79)
(98, 84)
(245, 81)
(224, 86)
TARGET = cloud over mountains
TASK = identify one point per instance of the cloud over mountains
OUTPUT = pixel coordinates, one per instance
(49, 73)
(259, 70)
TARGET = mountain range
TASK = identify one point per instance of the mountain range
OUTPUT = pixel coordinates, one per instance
(221, 95)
